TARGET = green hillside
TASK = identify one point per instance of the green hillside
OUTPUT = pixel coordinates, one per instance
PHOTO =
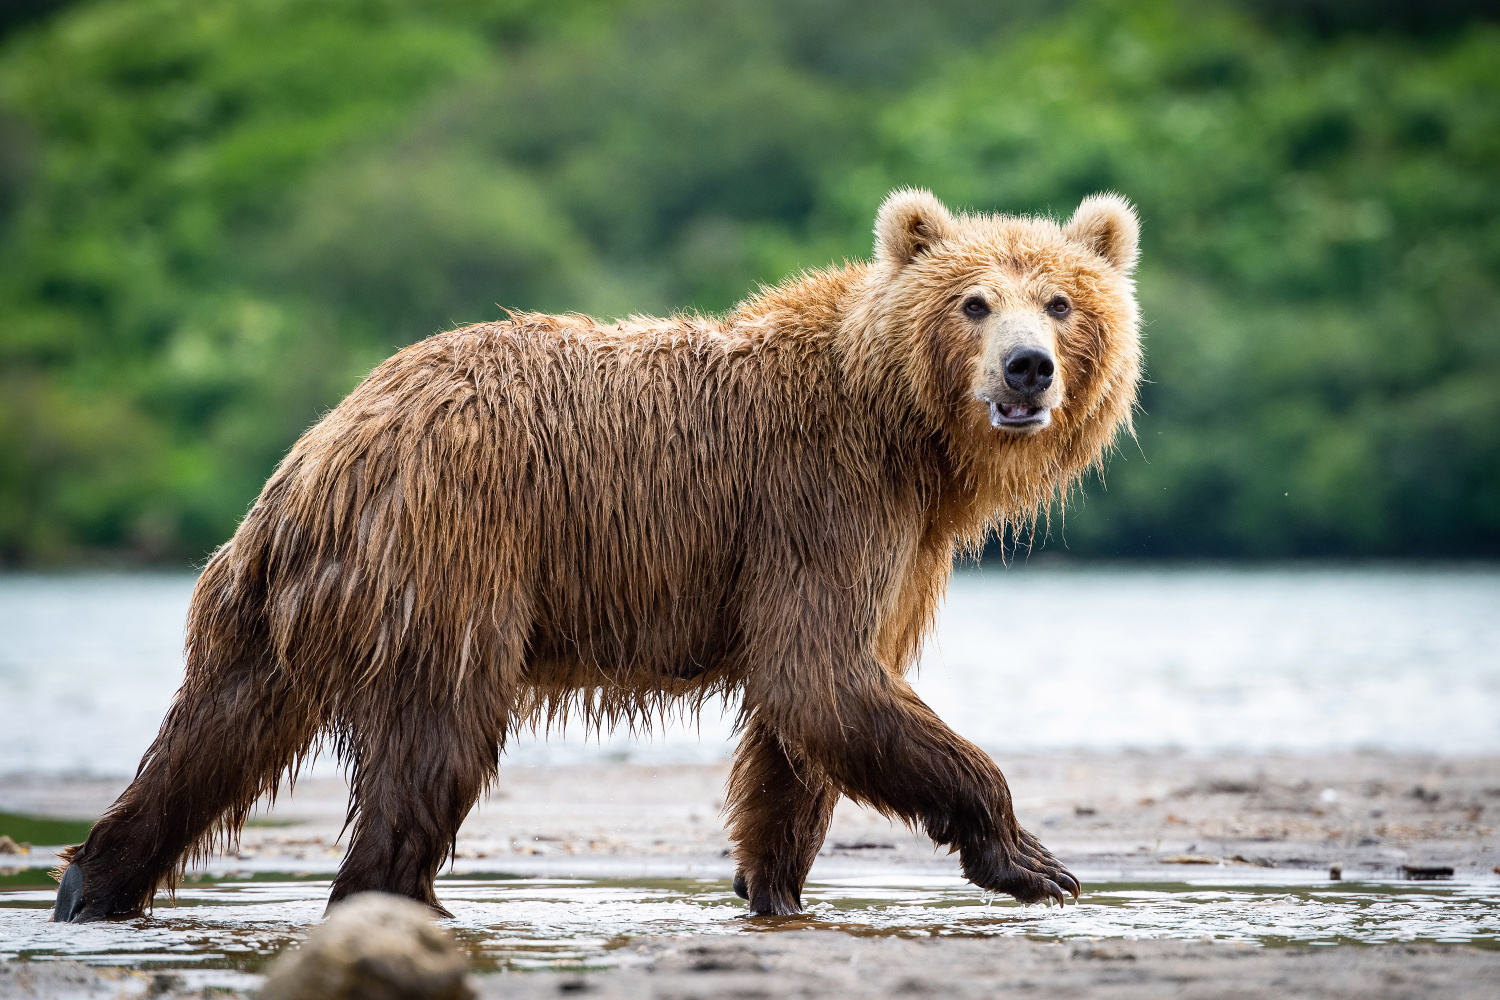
(216, 215)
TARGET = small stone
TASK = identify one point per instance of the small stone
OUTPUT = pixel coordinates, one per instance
(373, 946)
(163, 983)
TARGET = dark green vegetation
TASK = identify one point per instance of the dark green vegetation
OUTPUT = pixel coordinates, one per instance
(215, 215)
(43, 831)
(28, 878)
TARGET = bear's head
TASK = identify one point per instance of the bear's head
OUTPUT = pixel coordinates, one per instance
(1016, 337)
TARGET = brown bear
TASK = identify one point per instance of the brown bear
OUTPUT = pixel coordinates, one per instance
(550, 515)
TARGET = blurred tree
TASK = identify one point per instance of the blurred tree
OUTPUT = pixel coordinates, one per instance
(1337, 17)
(216, 214)
(689, 142)
(149, 382)
(15, 14)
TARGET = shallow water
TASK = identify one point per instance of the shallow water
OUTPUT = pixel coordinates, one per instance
(1023, 659)
(236, 926)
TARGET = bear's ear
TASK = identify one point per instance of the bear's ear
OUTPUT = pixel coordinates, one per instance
(909, 221)
(1107, 225)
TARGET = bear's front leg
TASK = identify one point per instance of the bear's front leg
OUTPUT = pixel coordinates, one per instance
(878, 743)
(778, 815)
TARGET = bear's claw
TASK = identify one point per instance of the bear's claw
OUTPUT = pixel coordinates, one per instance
(1038, 858)
(1028, 871)
(1067, 881)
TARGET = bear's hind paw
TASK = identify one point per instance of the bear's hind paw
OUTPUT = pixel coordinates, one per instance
(69, 906)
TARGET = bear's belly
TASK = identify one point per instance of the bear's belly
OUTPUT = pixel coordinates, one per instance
(676, 645)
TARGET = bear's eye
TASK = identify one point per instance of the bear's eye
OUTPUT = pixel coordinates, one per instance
(1059, 307)
(975, 307)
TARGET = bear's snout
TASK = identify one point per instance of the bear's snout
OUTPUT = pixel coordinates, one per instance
(1028, 370)
(1018, 376)
(1024, 390)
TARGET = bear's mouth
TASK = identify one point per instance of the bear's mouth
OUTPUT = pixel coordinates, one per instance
(1010, 416)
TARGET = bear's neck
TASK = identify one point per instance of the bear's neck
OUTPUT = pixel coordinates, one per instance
(822, 310)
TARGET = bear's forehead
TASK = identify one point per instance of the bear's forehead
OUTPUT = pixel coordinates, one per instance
(1009, 237)
(1019, 258)
(1011, 250)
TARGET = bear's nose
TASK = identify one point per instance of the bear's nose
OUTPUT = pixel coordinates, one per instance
(1029, 370)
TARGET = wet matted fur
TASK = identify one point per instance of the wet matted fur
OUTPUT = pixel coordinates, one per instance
(553, 516)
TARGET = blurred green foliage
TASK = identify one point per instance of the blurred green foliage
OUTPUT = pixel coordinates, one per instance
(215, 215)
(43, 830)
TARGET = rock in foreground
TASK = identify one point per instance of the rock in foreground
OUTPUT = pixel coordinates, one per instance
(373, 947)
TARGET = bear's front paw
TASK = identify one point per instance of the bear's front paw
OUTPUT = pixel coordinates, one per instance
(1025, 870)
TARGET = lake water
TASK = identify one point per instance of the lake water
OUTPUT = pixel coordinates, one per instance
(236, 925)
(1023, 659)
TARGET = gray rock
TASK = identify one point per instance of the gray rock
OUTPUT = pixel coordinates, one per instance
(373, 947)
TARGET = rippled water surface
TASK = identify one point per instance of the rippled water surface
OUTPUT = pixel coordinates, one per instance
(509, 922)
(1201, 659)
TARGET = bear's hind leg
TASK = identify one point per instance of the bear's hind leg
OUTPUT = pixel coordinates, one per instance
(227, 739)
(779, 815)
(418, 768)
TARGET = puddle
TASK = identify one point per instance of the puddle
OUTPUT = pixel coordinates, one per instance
(236, 925)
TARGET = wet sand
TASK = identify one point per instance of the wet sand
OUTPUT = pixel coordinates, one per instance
(827, 965)
(1145, 817)
(830, 966)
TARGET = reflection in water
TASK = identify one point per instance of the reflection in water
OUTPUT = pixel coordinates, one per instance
(510, 922)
